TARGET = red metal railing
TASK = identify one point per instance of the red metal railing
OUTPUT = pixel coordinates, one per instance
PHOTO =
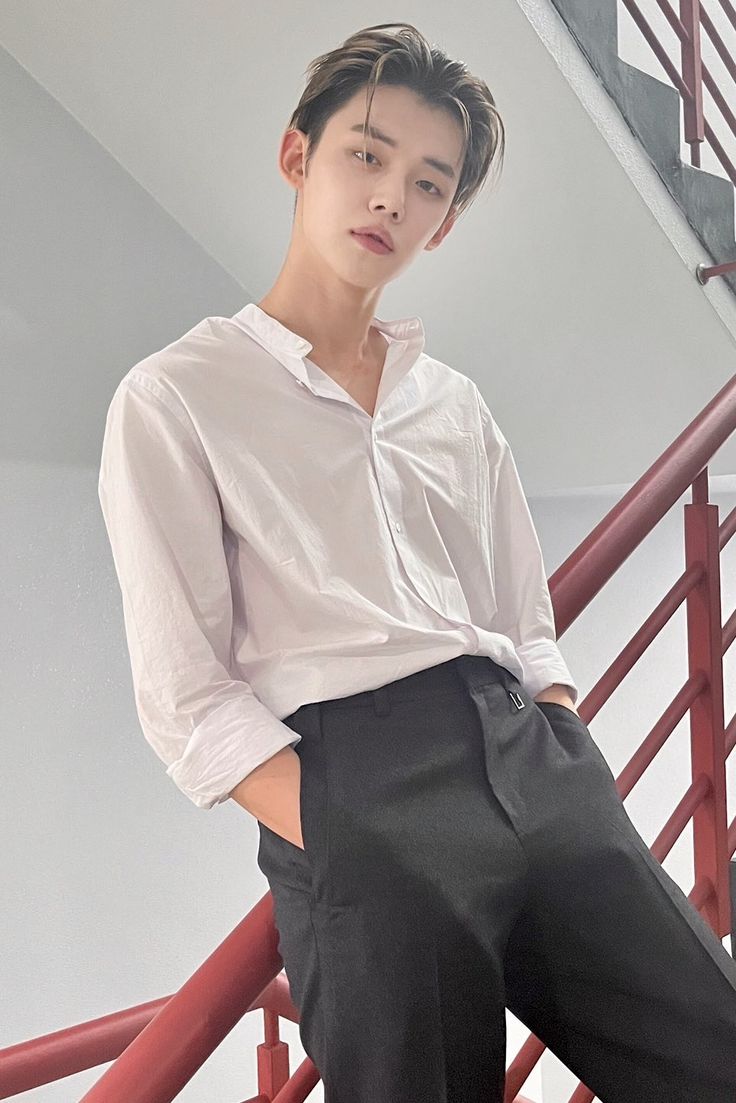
(689, 80)
(574, 585)
(157, 1047)
(693, 72)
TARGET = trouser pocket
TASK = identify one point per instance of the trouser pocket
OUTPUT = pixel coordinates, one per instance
(280, 860)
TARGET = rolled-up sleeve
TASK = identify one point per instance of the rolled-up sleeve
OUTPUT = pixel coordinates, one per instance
(163, 517)
(524, 605)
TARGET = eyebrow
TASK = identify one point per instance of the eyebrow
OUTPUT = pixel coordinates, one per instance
(379, 136)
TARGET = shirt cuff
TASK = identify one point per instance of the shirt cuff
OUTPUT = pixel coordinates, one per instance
(543, 665)
(231, 741)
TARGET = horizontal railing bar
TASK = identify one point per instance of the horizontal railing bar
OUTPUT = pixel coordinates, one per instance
(164, 1057)
(61, 1053)
(726, 529)
(50, 1057)
(721, 48)
(661, 54)
(660, 733)
(683, 88)
(524, 1062)
(719, 151)
(674, 21)
(729, 632)
(729, 10)
(645, 635)
(731, 735)
(594, 562)
(698, 791)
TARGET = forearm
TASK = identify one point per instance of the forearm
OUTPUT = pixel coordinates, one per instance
(559, 693)
(271, 794)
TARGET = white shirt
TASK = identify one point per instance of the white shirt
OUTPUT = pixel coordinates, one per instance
(276, 545)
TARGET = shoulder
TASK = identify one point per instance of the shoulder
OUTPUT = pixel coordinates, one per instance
(193, 353)
(462, 385)
(461, 397)
(181, 374)
(448, 393)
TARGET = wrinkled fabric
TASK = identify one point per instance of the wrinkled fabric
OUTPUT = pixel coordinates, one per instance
(277, 545)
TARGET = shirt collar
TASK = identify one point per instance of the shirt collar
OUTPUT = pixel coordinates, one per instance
(277, 338)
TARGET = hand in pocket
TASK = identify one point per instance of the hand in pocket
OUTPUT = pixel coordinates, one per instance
(272, 793)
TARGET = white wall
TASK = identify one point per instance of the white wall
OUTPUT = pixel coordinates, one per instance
(114, 886)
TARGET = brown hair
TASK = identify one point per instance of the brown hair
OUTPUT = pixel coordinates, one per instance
(404, 57)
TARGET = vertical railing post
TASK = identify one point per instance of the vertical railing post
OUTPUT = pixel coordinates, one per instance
(272, 1057)
(707, 735)
(691, 69)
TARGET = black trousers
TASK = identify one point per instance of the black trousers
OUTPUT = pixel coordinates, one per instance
(466, 850)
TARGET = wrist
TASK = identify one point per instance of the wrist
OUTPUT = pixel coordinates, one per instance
(558, 693)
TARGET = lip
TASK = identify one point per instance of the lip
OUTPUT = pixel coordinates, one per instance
(379, 231)
(371, 244)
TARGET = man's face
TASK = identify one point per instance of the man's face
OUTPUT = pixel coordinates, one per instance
(394, 187)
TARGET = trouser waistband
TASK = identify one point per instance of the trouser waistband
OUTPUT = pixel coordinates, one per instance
(462, 672)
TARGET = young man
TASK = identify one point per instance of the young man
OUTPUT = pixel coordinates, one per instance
(338, 615)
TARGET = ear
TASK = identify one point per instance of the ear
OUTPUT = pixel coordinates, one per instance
(292, 152)
(443, 230)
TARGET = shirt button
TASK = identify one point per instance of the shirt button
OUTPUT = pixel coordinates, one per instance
(398, 527)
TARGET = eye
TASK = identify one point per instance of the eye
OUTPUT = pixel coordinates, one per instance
(368, 154)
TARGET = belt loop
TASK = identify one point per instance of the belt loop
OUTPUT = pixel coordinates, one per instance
(381, 701)
(508, 680)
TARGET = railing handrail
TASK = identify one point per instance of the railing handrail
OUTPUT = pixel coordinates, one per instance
(693, 73)
(597, 558)
(178, 1038)
(72, 1049)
